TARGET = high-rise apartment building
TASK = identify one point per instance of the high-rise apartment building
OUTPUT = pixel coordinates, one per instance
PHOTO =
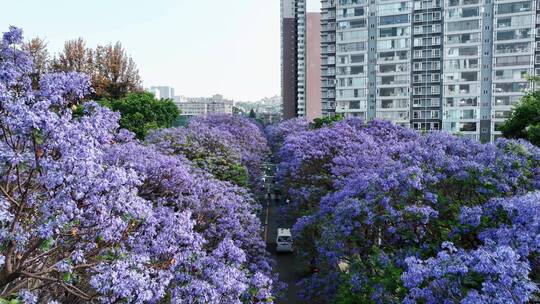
(453, 65)
(162, 92)
(292, 55)
(328, 54)
(300, 60)
(514, 48)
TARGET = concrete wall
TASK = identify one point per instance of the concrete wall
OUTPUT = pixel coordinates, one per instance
(313, 66)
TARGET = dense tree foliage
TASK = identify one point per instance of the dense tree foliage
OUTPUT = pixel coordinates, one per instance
(326, 121)
(524, 121)
(252, 114)
(211, 150)
(277, 133)
(391, 215)
(142, 112)
(245, 136)
(88, 214)
(113, 73)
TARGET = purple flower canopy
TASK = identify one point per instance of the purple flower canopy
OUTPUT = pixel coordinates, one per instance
(277, 133)
(362, 191)
(217, 144)
(88, 213)
(244, 135)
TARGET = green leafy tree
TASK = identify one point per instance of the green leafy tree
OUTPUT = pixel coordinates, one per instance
(383, 274)
(142, 112)
(252, 114)
(326, 121)
(238, 111)
(524, 121)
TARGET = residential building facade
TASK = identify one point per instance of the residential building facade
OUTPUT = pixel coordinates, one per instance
(328, 55)
(300, 60)
(452, 65)
(289, 57)
(204, 106)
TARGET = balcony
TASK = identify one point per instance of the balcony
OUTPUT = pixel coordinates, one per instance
(328, 39)
(511, 61)
(343, 3)
(460, 90)
(392, 58)
(501, 114)
(328, 4)
(327, 73)
(328, 84)
(392, 82)
(422, 5)
(329, 27)
(328, 16)
(463, 2)
(329, 61)
(328, 50)
(468, 127)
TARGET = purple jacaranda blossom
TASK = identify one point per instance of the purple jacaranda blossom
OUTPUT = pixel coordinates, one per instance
(357, 188)
(277, 133)
(27, 296)
(245, 136)
(485, 275)
(211, 149)
(471, 215)
(89, 214)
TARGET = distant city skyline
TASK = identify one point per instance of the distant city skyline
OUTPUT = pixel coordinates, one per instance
(200, 48)
(169, 92)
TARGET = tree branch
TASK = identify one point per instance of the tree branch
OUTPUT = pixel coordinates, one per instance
(11, 199)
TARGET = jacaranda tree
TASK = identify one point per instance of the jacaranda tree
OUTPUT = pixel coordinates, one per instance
(391, 215)
(88, 214)
(212, 150)
(277, 133)
(244, 135)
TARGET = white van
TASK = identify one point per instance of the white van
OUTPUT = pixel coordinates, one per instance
(284, 240)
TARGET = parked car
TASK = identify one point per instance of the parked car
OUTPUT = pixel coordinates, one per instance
(284, 241)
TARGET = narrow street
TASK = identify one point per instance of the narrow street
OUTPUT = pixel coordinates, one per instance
(285, 261)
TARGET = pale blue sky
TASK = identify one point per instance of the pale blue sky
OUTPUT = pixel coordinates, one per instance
(200, 47)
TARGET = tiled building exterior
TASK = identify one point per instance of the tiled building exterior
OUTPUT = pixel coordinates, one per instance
(300, 60)
(453, 65)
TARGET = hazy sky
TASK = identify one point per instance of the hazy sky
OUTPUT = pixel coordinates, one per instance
(200, 47)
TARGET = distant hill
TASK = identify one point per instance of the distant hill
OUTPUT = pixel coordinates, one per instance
(265, 105)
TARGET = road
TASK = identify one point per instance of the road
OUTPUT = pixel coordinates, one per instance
(285, 261)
